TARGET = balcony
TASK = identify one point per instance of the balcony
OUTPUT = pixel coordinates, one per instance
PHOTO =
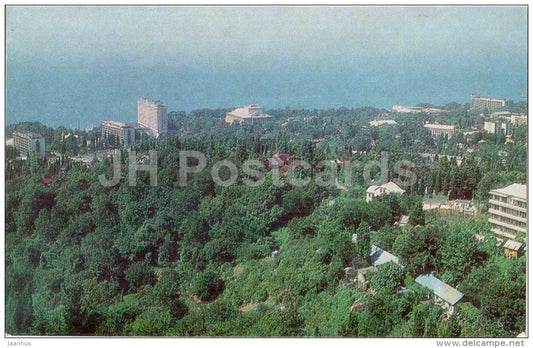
(507, 215)
(507, 205)
(506, 225)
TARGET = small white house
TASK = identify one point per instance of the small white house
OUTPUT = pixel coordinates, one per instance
(375, 191)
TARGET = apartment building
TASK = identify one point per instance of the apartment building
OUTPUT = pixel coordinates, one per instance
(28, 143)
(481, 103)
(508, 211)
(498, 127)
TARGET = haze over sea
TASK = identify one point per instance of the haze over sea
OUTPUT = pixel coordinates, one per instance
(87, 64)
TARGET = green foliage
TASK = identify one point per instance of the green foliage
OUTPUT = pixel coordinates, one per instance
(502, 296)
(153, 322)
(139, 274)
(283, 322)
(388, 278)
(363, 241)
(199, 260)
(207, 285)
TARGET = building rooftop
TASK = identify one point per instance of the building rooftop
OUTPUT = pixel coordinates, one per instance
(250, 111)
(27, 134)
(158, 102)
(513, 245)
(115, 123)
(500, 113)
(380, 256)
(389, 187)
(439, 288)
(515, 190)
(439, 126)
(377, 123)
(485, 98)
(404, 220)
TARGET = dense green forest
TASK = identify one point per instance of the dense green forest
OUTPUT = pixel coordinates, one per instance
(270, 260)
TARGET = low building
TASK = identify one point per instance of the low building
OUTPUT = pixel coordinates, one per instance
(375, 191)
(29, 143)
(444, 294)
(416, 109)
(252, 113)
(438, 130)
(512, 248)
(518, 120)
(377, 123)
(378, 257)
(508, 211)
(118, 133)
(500, 114)
(407, 109)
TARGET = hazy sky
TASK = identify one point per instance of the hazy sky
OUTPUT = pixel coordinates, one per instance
(95, 61)
(166, 34)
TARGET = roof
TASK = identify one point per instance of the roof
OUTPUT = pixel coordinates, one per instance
(381, 257)
(377, 123)
(115, 123)
(485, 98)
(27, 134)
(389, 187)
(515, 190)
(392, 187)
(365, 270)
(372, 188)
(439, 126)
(439, 288)
(250, 111)
(512, 245)
(404, 220)
(157, 102)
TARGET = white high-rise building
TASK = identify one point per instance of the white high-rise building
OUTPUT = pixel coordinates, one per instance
(152, 114)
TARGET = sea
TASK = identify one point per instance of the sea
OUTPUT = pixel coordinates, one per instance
(84, 94)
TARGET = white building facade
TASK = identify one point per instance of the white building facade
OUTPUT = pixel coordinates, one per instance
(152, 114)
(29, 143)
(118, 133)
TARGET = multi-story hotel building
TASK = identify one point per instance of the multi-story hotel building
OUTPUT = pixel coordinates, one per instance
(508, 211)
(482, 103)
(29, 143)
(118, 133)
(498, 127)
(252, 113)
(152, 114)
(440, 129)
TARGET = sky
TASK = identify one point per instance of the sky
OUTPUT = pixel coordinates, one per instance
(92, 62)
